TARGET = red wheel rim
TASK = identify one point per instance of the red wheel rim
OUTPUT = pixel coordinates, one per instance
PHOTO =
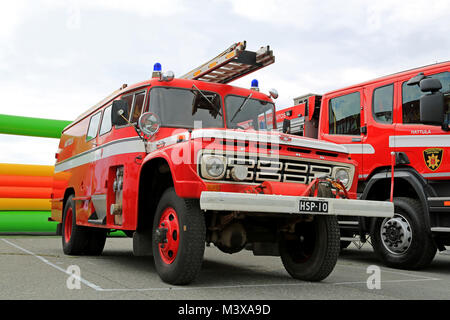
(168, 250)
(68, 225)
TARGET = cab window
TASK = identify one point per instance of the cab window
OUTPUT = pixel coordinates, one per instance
(137, 108)
(93, 126)
(129, 100)
(246, 113)
(106, 125)
(383, 103)
(411, 97)
(344, 114)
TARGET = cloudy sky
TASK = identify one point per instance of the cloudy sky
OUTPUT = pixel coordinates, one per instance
(59, 57)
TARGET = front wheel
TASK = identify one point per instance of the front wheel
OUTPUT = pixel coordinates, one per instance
(403, 241)
(179, 238)
(311, 252)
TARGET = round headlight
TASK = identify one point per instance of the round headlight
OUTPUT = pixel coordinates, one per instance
(214, 167)
(343, 176)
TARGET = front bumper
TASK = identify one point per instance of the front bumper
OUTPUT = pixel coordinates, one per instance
(268, 203)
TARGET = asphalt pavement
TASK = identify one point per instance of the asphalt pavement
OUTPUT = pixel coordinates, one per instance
(34, 267)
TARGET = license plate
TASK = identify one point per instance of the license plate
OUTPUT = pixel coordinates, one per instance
(313, 206)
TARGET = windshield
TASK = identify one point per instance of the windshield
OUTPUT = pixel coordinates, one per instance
(182, 107)
(247, 113)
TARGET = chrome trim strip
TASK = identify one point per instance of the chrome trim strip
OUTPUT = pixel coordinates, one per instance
(117, 147)
(439, 174)
(359, 148)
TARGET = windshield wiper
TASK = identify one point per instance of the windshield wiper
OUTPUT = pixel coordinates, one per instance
(206, 98)
(241, 106)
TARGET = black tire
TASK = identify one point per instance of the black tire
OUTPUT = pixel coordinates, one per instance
(419, 251)
(311, 252)
(96, 243)
(74, 238)
(183, 266)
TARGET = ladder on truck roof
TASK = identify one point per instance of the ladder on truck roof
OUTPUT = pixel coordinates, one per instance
(233, 63)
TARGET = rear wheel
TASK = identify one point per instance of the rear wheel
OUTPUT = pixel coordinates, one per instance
(78, 240)
(74, 238)
(403, 241)
(96, 243)
(179, 237)
(310, 253)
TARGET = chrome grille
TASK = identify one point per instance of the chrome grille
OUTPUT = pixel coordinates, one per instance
(283, 170)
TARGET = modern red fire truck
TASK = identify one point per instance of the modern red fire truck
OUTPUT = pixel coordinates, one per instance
(398, 122)
(177, 163)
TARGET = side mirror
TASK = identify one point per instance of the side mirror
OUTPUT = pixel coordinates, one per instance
(430, 84)
(431, 104)
(286, 126)
(119, 112)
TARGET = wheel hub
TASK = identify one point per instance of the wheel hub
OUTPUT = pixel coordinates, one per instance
(396, 234)
(167, 235)
(68, 225)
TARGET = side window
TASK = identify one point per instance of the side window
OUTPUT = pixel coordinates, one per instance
(129, 100)
(93, 126)
(106, 121)
(344, 114)
(383, 103)
(138, 104)
(411, 97)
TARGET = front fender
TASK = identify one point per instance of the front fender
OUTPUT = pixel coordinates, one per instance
(408, 175)
(186, 182)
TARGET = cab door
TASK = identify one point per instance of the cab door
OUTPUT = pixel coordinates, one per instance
(343, 122)
(379, 116)
(85, 210)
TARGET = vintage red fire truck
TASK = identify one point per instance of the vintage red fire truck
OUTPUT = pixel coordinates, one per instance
(180, 163)
(400, 121)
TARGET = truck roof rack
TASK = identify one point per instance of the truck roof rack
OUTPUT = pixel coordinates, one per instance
(231, 64)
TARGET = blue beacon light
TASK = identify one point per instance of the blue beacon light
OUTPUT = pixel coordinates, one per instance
(254, 85)
(157, 67)
(156, 70)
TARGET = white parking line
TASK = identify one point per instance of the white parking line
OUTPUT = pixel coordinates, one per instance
(88, 283)
(178, 288)
(419, 277)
